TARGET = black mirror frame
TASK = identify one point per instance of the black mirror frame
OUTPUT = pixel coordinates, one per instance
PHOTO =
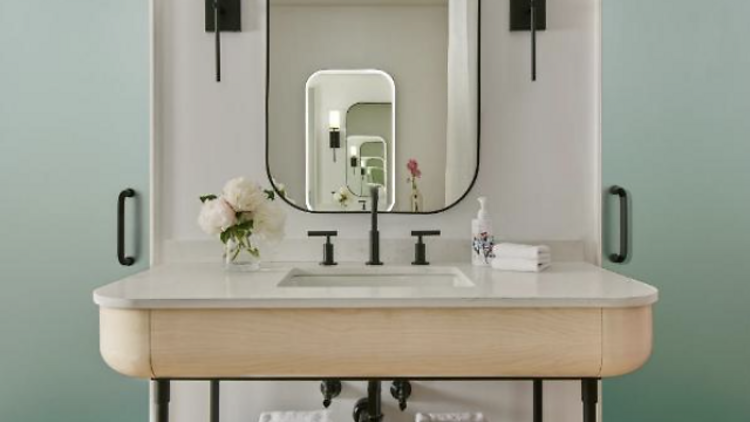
(479, 125)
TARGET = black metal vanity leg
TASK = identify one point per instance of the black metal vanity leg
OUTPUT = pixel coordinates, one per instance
(373, 401)
(215, 400)
(161, 400)
(590, 397)
(538, 401)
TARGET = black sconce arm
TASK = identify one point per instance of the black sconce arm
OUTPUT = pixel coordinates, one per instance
(529, 15)
(222, 16)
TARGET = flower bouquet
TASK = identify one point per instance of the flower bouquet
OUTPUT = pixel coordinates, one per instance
(342, 197)
(242, 216)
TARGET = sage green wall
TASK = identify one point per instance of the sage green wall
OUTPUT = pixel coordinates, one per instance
(73, 132)
(676, 134)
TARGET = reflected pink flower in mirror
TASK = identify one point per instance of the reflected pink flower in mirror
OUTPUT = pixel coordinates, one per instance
(413, 167)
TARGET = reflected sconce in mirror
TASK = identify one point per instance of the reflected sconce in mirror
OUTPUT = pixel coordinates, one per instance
(334, 131)
(529, 15)
(222, 16)
(353, 158)
(362, 174)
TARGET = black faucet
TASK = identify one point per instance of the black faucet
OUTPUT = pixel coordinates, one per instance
(374, 233)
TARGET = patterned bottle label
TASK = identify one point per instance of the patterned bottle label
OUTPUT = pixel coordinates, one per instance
(482, 246)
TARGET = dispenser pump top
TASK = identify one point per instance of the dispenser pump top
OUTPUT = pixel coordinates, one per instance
(482, 214)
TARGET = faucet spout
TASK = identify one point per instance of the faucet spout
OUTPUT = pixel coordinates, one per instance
(374, 232)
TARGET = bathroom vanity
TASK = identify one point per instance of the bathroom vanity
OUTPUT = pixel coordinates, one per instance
(303, 321)
(348, 119)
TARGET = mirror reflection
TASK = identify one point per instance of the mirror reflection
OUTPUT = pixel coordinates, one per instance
(356, 112)
(350, 137)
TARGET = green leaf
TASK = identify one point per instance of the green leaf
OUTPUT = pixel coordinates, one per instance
(270, 194)
(245, 226)
(205, 198)
(225, 235)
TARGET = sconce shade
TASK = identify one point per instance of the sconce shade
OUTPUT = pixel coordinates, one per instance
(334, 120)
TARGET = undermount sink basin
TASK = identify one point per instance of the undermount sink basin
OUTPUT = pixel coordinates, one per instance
(406, 277)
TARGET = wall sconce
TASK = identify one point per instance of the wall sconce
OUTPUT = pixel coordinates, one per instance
(334, 131)
(362, 165)
(353, 158)
(529, 15)
(222, 15)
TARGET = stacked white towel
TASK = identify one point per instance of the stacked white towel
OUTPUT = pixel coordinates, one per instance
(451, 417)
(515, 257)
(291, 416)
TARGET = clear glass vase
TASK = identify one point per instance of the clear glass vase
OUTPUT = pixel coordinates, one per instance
(241, 256)
(416, 197)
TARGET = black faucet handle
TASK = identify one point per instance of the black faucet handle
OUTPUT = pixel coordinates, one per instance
(420, 249)
(328, 251)
(421, 233)
(328, 234)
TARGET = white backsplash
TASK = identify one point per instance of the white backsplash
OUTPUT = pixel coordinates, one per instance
(392, 251)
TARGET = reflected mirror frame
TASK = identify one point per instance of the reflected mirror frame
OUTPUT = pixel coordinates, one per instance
(479, 125)
(385, 150)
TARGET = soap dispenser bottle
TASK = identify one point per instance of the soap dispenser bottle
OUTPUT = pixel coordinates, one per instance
(482, 238)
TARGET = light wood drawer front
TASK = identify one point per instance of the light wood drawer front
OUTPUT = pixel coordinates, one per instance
(377, 342)
(125, 341)
(627, 339)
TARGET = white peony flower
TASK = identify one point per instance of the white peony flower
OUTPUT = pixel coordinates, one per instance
(269, 221)
(342, 197)
(243, 195)
(216, 216)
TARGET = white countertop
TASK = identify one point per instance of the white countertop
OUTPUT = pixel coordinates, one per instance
(207, 285)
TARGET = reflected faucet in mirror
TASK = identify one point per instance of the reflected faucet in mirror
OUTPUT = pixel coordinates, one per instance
(374, 232)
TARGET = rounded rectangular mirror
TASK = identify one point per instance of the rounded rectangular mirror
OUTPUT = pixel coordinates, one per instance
(365, 93)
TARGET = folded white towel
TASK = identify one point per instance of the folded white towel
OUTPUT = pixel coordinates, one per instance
(451, 417)
(291, 416)
(514, 250)
(516, 264)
